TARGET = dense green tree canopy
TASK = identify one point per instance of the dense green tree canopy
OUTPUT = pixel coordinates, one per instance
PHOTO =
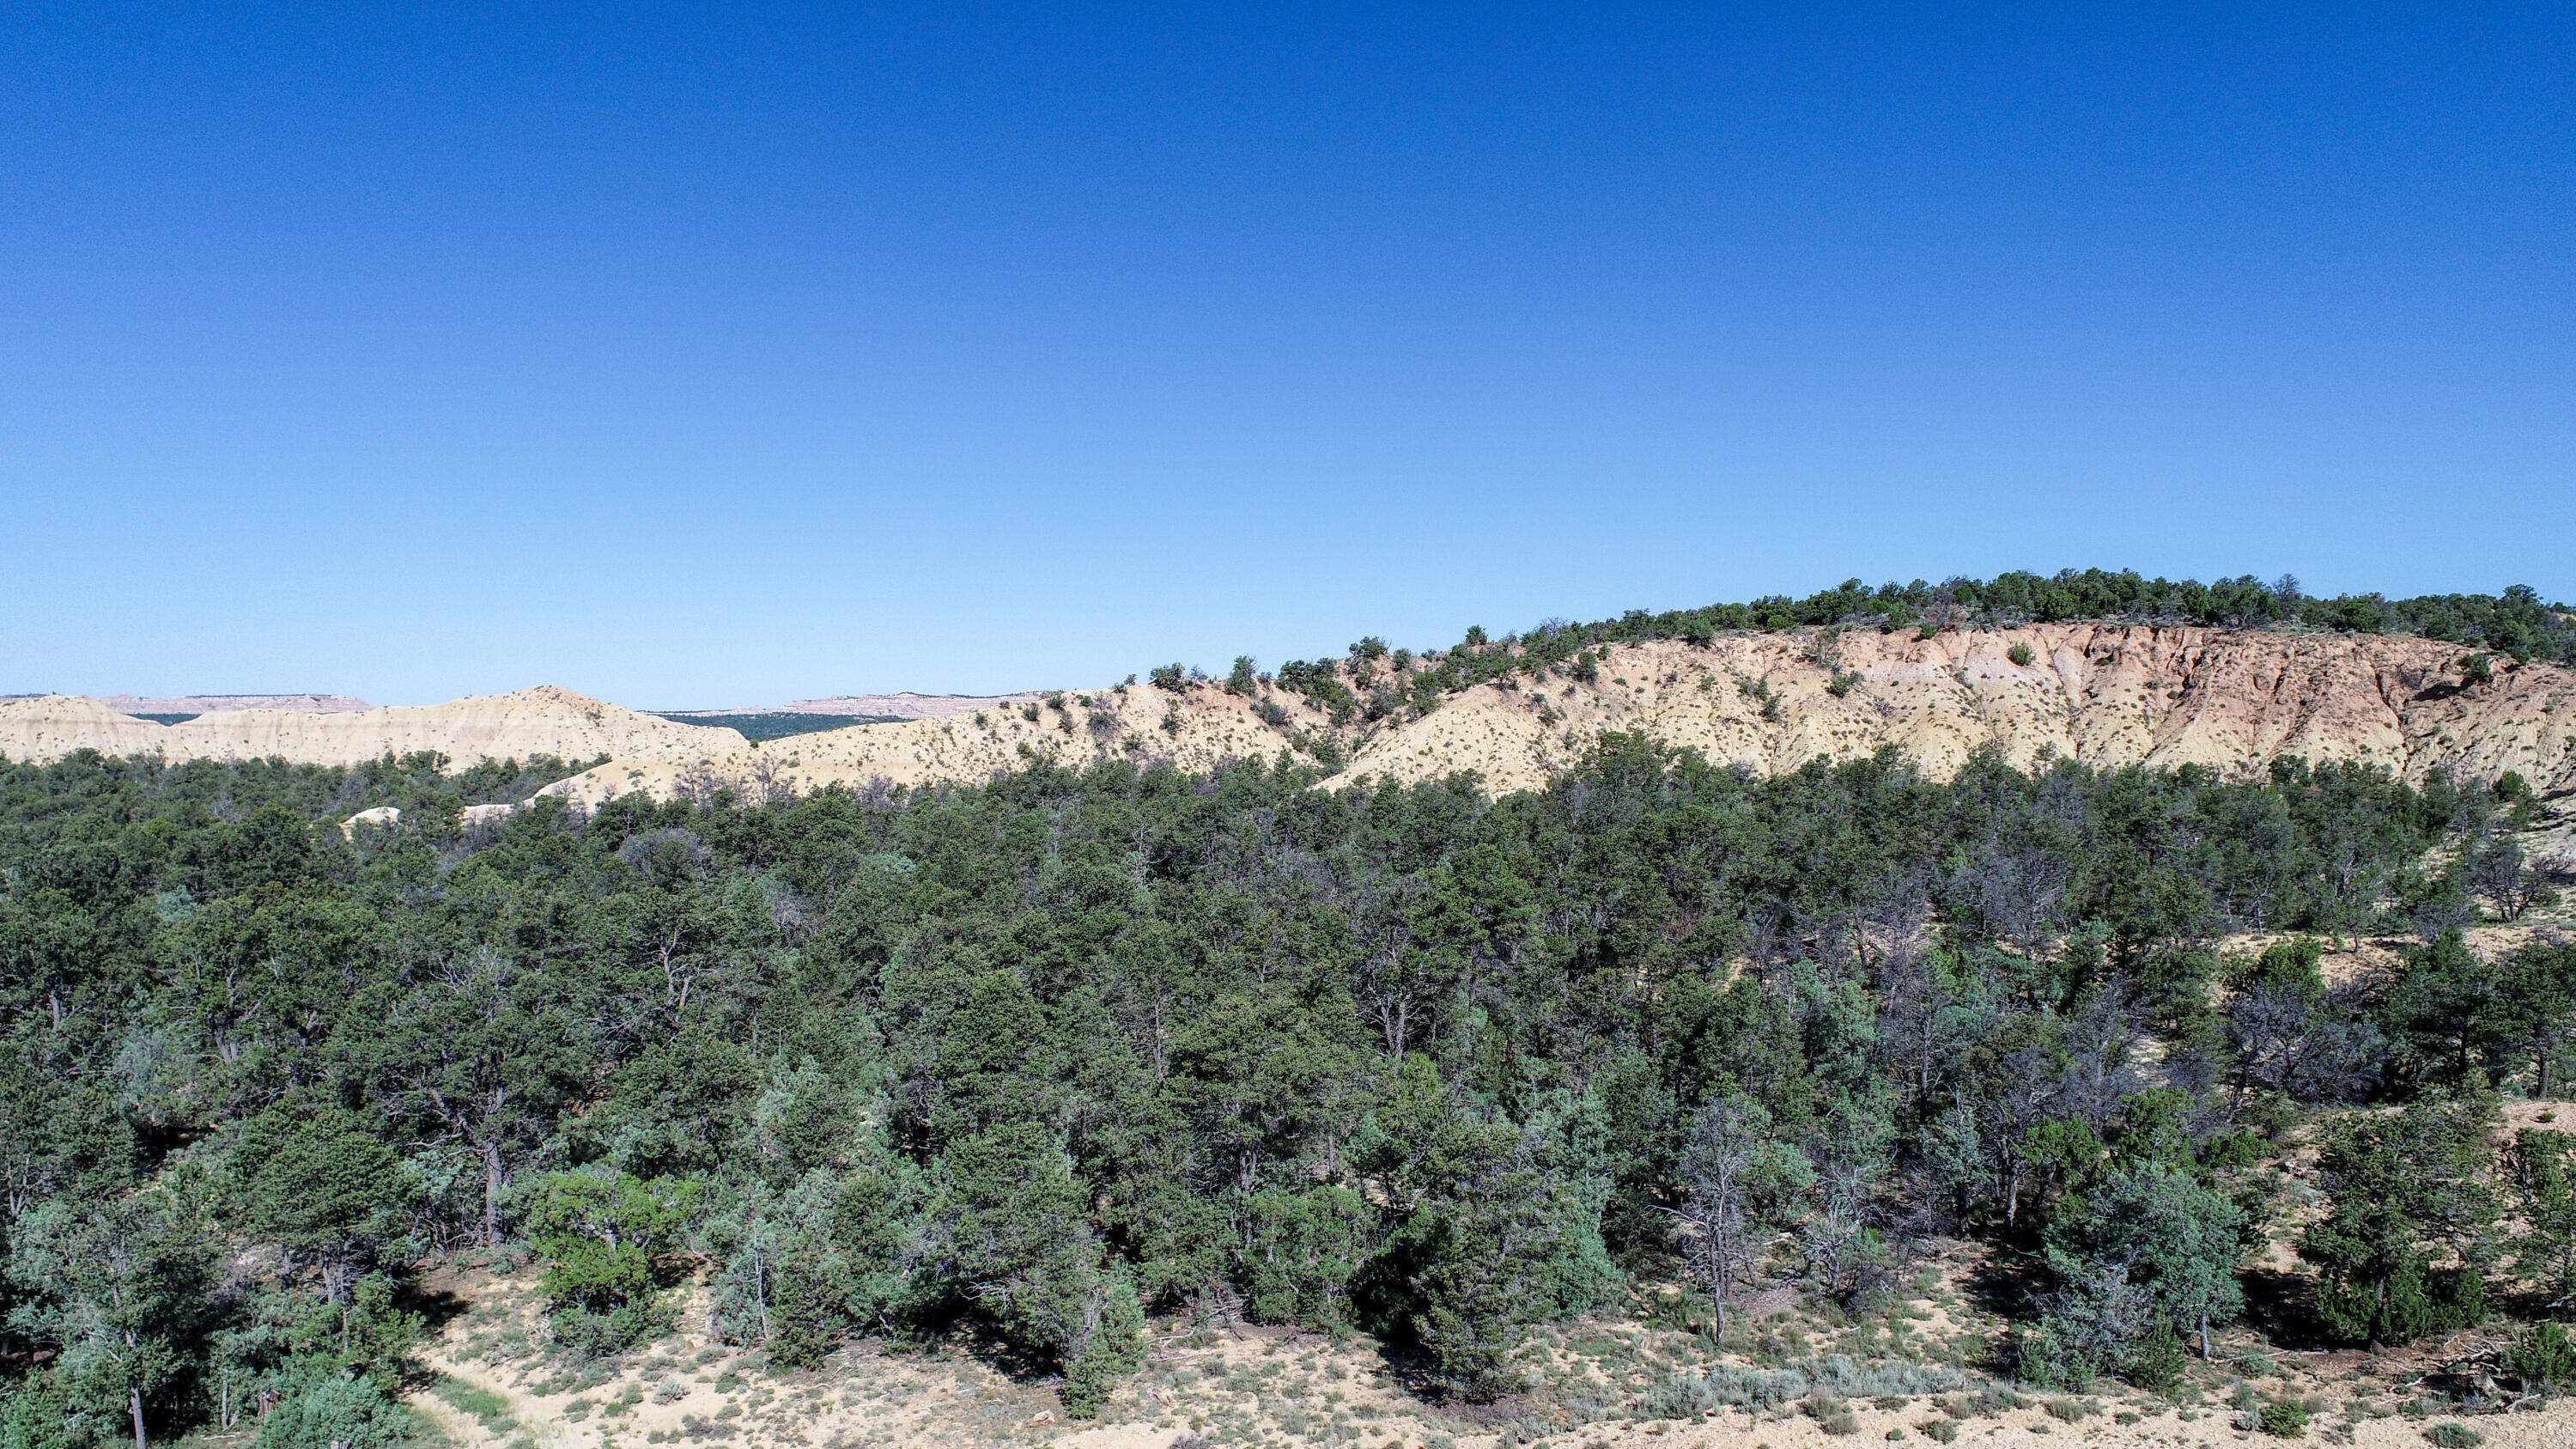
(1061, 1051)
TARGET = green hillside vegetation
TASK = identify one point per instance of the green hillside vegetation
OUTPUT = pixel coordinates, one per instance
(1030, 1063)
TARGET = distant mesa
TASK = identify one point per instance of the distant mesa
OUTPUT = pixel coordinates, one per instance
(780, 724)
(906, 705)
(180, 708)
(813, 716)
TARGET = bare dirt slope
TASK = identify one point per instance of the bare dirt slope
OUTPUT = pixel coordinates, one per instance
(2107, 695)
(540, 721)
(50, 726)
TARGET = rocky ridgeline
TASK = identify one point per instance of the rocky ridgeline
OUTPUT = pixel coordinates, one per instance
(2109, 695)
(2231, 700)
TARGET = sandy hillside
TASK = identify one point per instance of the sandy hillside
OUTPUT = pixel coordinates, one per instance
(1599, 1383)
(2103, 694)
(540, 721)
(50, 726)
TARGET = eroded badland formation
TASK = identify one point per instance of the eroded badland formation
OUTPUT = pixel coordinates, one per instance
(2106, 695)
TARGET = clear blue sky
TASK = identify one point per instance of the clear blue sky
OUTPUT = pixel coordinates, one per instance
(733, 355)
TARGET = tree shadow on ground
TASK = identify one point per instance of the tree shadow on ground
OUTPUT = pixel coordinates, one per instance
(2003, 1284)
(2277, 1307)
(437, 1306)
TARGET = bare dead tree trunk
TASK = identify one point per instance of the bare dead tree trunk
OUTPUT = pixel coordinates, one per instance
(492, 1193)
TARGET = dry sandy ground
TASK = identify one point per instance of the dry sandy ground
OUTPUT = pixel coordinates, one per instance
(2379, 957)
(1300, 1391)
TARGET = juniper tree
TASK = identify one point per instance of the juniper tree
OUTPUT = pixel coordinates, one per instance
(324, 1189)
(2162, 1230)
(2541, 1168)
(2404, 1193)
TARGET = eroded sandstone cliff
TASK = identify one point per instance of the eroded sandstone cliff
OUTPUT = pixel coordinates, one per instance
(2109, 695)
(2103, 694)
